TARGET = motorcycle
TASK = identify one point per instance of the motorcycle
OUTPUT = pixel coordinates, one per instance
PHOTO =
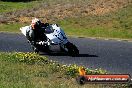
(55, 36)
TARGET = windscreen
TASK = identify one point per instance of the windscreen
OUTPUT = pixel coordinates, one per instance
(49, 29)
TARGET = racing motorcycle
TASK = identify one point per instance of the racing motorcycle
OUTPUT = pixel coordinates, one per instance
(55, 36)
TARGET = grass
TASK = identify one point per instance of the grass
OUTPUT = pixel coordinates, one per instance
(95, 31)
(29, 70)
(74, 30)
(111, 25)
(115, 24)
(14, 28)
(14, 6)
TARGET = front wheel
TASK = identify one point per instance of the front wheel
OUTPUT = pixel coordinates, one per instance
(72, 49)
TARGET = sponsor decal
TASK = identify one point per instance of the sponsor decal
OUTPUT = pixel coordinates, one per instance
(103, 78)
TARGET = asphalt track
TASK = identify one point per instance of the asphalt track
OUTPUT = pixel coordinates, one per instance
(111, 55)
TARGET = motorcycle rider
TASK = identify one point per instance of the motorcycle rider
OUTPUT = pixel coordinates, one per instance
(51, 33)
(35, 32)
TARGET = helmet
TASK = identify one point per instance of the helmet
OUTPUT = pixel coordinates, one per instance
(36, 23)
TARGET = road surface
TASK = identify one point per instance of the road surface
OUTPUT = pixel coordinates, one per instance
(111, 55)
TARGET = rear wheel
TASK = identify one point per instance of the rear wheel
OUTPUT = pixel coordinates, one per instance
(45, 48)
(41, 48)
(72, 49)
(35, 49)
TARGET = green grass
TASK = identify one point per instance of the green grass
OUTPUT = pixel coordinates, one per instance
(74, 30)
(13, 28)
(29, 70)
(116, 24)
(94, 31)
(111, 25)
(14, 6)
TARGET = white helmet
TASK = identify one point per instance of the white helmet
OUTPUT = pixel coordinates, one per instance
(35, 23)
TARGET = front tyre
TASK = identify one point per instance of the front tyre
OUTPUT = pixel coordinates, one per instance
(72, 49)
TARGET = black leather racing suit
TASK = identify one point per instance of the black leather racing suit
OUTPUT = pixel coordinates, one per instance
(34, 35)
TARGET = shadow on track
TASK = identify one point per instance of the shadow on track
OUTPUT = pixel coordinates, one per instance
(86, 55)
(54, 54)
(64, 54)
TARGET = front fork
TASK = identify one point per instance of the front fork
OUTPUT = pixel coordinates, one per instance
(63, 46)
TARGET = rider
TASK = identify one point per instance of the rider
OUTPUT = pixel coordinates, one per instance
(36, 32)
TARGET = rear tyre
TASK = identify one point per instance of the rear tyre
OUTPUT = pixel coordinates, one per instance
(43, 48)
(35, 49)
(40, 48)
(72, 49)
